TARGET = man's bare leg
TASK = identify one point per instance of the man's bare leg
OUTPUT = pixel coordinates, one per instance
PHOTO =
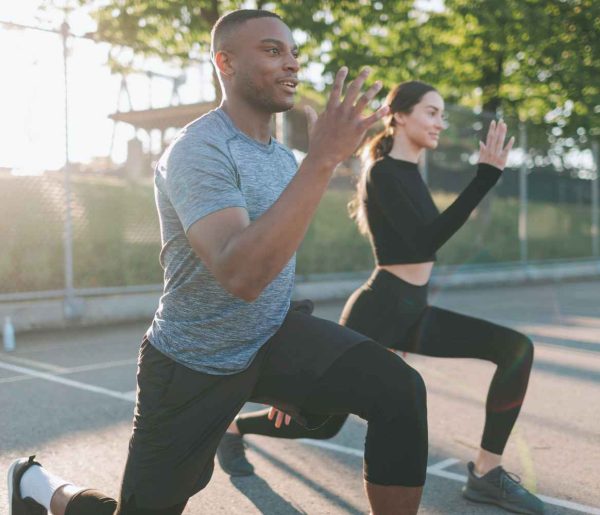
(61, 498)
(393, 500)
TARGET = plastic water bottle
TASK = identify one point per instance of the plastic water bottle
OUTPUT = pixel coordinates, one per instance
(8, 333)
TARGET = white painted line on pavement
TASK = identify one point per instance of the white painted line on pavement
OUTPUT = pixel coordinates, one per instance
(333, 447)
(39, 364)
(100, 366)
(66, 382)
(14, 379)
(72, 370)
(131, 395)
(442, 465)
(435, 470)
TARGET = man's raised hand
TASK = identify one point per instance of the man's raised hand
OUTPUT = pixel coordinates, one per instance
(335, 134)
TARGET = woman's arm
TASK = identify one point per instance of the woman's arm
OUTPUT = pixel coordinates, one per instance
(426, 238)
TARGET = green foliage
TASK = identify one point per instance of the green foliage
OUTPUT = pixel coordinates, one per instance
(535, 60)
(332, 242)
(31, 229)
(116, 234)
(117, 241)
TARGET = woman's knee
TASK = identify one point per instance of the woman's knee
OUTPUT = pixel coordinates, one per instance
(520, 351)
(329, 429)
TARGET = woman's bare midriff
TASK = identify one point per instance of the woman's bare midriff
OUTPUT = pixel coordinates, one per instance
(413, 273)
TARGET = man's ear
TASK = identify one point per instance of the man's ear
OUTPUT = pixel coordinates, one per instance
(223, 63)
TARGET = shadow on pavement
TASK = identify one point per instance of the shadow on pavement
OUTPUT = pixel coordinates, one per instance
(338, 501)
(266, 500)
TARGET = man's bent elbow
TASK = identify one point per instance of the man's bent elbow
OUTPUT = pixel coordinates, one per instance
(243, 289)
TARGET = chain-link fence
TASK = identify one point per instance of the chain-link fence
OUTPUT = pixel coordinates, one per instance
(544, 207)
(96, 226)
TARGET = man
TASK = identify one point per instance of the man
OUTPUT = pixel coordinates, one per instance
(233, 209)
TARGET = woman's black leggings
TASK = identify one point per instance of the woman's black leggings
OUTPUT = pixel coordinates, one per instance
(396, 314)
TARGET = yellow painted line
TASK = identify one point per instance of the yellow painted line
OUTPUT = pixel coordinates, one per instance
(523, 451)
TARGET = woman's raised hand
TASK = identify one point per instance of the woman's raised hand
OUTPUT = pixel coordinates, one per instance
(493, 151)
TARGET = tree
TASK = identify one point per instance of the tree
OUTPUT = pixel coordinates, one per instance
(536, 60)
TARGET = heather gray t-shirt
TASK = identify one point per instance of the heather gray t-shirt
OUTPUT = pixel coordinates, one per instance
(211, 166)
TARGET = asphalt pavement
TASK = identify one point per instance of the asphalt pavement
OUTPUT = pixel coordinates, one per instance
(67, 396)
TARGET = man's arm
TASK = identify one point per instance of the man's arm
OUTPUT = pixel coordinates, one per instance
(245, 257)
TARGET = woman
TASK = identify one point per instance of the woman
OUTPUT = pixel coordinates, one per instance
(394, 208)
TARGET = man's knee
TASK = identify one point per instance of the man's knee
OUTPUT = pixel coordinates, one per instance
(396, 447)
(409, 396)
(402, 393)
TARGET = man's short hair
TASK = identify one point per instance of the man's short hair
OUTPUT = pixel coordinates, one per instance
(227, 23)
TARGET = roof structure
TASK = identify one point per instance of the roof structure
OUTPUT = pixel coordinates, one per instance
(163, 118)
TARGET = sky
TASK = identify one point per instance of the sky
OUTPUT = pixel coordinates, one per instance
(32, 93)
(32, 99)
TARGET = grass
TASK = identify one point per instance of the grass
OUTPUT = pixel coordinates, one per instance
(116, 239)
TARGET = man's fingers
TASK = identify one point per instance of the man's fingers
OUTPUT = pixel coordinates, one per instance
(364, 100)
(338, 85)
(288, 419)
(355, 87)
(271, 413)
(377, 115)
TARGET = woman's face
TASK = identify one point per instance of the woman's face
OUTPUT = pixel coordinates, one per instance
(423, 125)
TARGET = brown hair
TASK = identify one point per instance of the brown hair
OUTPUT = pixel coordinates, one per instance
(401, 99)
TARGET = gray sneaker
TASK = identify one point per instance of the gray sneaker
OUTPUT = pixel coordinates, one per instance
(231, 454)
(502, 489)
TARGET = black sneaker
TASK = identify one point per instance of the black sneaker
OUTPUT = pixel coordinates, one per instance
(17, 505)
(231, 454)
(502, 489)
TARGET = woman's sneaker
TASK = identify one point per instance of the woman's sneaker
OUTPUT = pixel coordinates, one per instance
(18, 505)
(502, 489)
(231, 454)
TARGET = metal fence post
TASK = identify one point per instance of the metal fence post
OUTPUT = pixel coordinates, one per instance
(595, 201)
(70, 309)
(523, 247)
(424, 165)
(281, 128)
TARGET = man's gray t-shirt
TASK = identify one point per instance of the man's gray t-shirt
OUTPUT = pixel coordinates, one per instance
(212, 166)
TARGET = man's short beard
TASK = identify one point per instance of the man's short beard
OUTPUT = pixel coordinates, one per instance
(258, 97)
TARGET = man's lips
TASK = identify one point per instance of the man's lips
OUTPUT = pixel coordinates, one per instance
(289, 84)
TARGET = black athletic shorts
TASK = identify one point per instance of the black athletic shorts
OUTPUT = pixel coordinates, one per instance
(181, 414)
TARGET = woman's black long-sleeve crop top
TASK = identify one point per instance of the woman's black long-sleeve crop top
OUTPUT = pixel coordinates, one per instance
(405, 225)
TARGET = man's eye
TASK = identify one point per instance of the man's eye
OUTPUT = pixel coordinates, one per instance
(274, 51)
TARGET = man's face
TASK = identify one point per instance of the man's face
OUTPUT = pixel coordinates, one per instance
(265, 65)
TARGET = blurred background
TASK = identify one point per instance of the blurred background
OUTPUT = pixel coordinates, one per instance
(93, 90)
